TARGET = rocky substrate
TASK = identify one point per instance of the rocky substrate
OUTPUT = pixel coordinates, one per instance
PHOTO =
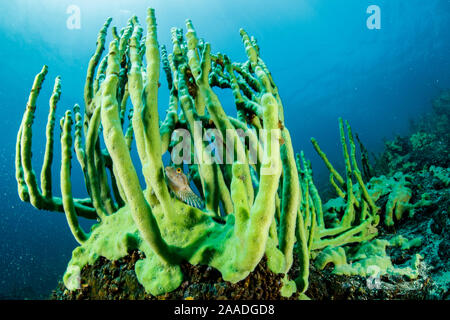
(116, 280)
(328, 286)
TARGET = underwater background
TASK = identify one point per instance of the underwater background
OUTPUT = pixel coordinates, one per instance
(325, 60)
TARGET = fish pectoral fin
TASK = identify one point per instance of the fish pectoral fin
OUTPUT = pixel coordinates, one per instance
(190, 198)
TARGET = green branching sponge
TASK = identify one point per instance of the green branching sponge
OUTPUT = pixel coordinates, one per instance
(149, 218)
(398, 189)
(442, 174)
(260, 198)
(371, 259)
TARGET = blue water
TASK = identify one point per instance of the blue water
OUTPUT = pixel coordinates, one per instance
(324, 59)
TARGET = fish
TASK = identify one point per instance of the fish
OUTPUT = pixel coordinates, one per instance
(179, 185)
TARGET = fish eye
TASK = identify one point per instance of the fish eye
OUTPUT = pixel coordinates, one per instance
(178, 170)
